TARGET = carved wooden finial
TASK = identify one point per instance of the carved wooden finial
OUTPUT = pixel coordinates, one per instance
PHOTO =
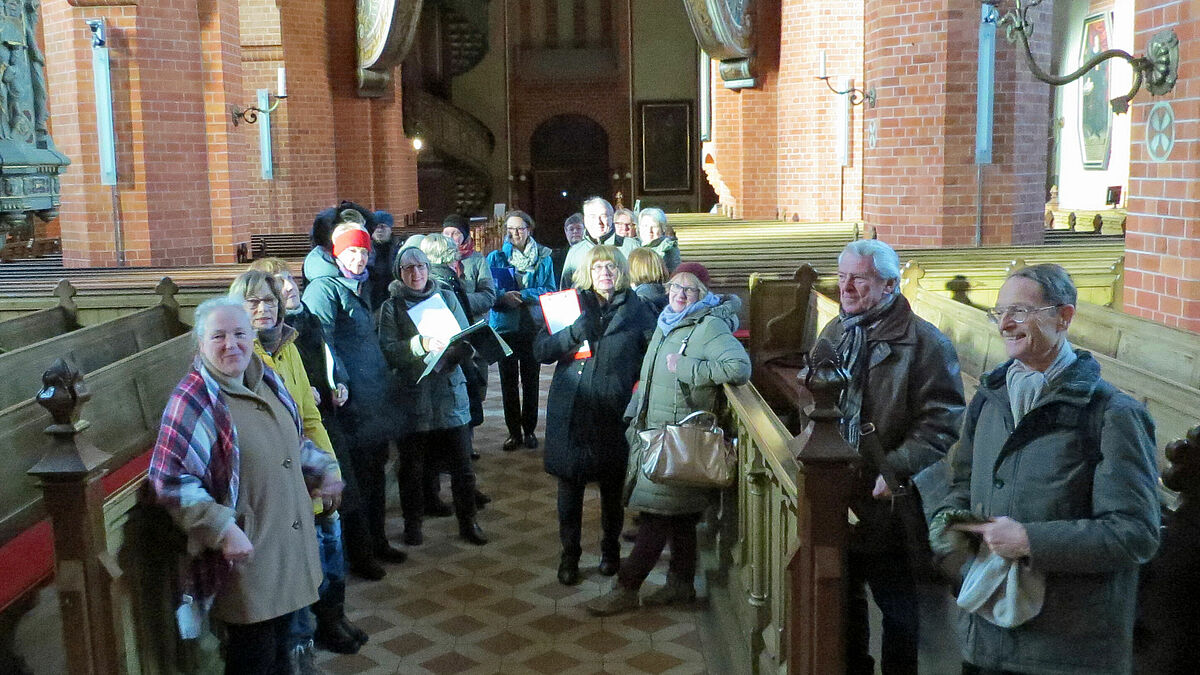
(166, 289)
(826, 379)
(68, 457)
(63, 395)
(66, 293)
(1183, 475)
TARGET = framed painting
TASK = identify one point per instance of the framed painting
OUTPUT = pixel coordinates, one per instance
(666, 146)
(1095, 113)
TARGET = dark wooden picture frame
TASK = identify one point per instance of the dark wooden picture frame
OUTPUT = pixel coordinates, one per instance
(667, 133)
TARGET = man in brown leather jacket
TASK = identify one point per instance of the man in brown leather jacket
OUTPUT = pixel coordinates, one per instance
(906, 391)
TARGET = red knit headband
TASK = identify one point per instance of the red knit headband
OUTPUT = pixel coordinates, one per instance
(350, 237)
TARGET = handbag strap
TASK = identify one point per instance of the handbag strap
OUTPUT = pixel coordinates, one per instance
(644, 387)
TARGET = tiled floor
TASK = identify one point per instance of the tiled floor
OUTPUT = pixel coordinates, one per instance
(458, 608)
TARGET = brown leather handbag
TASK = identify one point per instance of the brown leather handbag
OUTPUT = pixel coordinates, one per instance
(692, 453)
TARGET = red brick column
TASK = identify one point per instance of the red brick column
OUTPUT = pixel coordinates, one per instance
(919, 184)
(1162, 240)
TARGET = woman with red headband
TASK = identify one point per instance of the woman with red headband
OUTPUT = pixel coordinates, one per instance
(338, 294)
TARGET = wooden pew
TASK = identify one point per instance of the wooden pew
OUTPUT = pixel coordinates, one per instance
(1099, 279)
(41, 324)
(92, 347)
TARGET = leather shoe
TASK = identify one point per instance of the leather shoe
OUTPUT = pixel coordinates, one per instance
(568, 572)
(511, 444)
(390, 554)
(367, 567)
(438, 509)
(472, 533)
(355, 632)
(474, 455)
(609, 566)
(413, 536)
(481, 500)
(333, 637)
(531, 441)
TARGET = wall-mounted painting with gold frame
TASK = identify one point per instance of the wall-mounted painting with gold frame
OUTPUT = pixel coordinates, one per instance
(1095, 113)
(666, 146)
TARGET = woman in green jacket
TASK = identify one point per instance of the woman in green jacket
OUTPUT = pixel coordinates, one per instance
(691, 354)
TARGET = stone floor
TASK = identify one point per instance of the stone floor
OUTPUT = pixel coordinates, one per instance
(458, 608)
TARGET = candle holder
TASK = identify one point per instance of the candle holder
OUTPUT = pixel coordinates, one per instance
(857, 96)
(250, 114)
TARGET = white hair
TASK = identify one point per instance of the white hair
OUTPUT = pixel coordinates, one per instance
(883, 257)
(439, 248)
(657, 214)
(206, 309)
(608, 208)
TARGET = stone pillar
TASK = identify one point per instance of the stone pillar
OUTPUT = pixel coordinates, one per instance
(1162, 239)
(919, 182)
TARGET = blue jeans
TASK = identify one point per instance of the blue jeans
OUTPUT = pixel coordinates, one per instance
(333, 565)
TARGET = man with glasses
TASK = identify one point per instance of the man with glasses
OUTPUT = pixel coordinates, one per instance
(1053, 484)
(901, 412)
(598, 226)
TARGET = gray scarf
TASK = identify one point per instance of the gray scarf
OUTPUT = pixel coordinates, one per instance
(1025, 385)
(524, 261)
(855, 358)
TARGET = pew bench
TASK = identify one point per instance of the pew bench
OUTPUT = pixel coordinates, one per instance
(41, 324)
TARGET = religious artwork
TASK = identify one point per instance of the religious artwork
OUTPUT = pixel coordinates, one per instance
(31, 163)
(1095, 113)
(385, 31)
(666, 146)
(724, 31)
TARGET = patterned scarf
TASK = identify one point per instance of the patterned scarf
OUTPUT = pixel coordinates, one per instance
(524, 261)
(1025, 384)
(855, 358)
(465, 250)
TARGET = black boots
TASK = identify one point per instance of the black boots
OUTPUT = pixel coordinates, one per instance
(568, 571)
(470, 531)
(360, 556)
(334, 631)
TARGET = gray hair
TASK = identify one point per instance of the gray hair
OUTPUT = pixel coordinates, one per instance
(439, 248)
(657, 214)
(573, 219)
(211, 305)
(410, 253)
(625, 211)
(1056, 284)
(608, 208)
(883, 257)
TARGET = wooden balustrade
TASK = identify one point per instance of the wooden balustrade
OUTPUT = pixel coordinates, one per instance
(786, 565)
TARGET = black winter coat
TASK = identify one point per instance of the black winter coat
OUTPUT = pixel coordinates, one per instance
(585, 430)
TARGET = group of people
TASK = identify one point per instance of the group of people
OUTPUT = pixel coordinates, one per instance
(318, 384)
(273, 450)
(1041, 493)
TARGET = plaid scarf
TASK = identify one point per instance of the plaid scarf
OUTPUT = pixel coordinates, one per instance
(854, 353)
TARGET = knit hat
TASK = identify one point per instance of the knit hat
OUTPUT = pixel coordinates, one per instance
(459, 223)
(350, 237)
(695, 268)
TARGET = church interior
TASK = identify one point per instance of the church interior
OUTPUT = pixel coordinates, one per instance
(151, 149)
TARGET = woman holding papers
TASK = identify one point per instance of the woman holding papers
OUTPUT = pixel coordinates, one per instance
(693, 352)
(523, 270)
(415, 327)
(587, 399)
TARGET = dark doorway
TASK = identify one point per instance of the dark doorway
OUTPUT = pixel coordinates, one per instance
(569, 154)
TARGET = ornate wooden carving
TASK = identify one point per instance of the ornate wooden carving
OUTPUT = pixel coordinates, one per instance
(386, 29)
(725, 32)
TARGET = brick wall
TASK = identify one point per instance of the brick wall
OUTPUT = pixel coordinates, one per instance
(189, 187)
(773, 153)
(920, 185)
(1162, 241)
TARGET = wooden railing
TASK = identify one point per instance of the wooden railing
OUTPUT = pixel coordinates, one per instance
(784, 568)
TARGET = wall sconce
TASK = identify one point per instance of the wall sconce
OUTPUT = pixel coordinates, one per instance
(1158, 68)
(857, 96)
(418, 143)
(266, 104)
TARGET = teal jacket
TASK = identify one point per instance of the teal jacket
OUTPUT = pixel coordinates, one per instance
(536, 282)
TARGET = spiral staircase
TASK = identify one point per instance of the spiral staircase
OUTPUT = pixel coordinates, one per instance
(453, 169)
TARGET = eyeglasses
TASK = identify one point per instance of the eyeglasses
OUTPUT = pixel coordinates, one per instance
(686, 290)
(1015, 312)
(604, 267)
(419, 267)
(255, 302)
(516, 230)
